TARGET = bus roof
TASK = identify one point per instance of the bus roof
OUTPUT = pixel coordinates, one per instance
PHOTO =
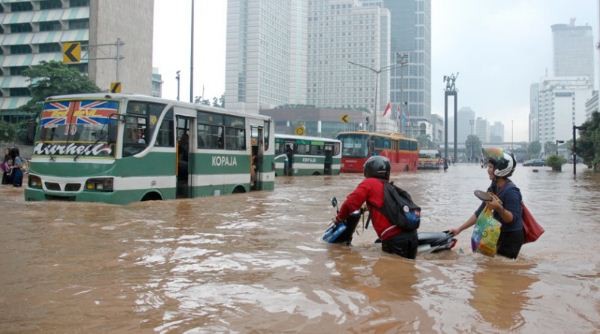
(147, 98)
(285, 136)
(391, 135)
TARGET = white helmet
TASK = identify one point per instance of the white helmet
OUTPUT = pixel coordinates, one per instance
(504, 163)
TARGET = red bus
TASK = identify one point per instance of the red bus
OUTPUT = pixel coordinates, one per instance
(358, 146)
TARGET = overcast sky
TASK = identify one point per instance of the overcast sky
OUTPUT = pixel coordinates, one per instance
(499, 47)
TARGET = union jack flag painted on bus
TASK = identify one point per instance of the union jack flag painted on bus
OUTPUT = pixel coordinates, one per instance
(74, 113)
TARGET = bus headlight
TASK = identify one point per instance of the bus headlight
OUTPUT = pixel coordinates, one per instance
(34, 182)
(104, 184)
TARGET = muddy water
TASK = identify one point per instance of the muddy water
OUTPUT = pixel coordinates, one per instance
(255, 263)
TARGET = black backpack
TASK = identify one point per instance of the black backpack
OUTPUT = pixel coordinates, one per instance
(399, 208)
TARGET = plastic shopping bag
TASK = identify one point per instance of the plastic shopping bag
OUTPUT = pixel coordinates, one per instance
(486, 233)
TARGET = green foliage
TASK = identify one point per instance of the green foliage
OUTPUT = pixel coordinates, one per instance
(473, 148)
(54, 78)
(15, 132)
(555, 161)
(533, 149)
(588, 144)
(424, 141)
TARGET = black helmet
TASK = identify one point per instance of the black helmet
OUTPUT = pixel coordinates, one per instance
(504, 163)
(377, 166)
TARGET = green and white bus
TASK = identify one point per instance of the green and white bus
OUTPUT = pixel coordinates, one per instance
(303, 155)
(119, 148)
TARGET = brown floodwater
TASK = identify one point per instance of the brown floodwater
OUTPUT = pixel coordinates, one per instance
(255, 263)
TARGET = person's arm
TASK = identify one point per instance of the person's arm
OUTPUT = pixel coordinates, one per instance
(470, 222)
(508, 209)
(353, 202)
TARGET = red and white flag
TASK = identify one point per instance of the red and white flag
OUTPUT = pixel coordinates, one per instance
(388, 108)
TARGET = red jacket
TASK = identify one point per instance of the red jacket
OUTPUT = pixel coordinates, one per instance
(370, 190)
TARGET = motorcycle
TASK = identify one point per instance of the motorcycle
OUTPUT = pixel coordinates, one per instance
(341, 233)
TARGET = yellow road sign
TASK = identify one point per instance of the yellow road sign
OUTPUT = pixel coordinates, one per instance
(115, 87)
(345, 118)
(300, 131)
(71, 52)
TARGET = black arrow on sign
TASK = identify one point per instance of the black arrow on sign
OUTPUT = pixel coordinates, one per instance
(69, 55)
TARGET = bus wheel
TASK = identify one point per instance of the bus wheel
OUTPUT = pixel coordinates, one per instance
(153, 196)
(316, 173)
(239, 190)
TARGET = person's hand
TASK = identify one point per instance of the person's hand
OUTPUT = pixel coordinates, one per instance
(455, 231)
(495, 203)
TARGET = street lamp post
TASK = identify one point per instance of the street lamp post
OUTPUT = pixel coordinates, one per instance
(178, 77)
(402, 59)
(377, 73)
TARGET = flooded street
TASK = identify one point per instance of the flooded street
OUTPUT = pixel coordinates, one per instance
(255, 263)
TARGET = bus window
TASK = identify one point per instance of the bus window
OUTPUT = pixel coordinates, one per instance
(383, 143)
(354, 145)
(302, 149)
(266, 134)
(336, 148)
(316, 149)
(165, 136)
(210, 131)
(235, 133)
(404, 144)
(134, 135)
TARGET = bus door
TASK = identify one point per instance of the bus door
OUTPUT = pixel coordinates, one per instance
(327, 170)
(256, 157)
(185, 133)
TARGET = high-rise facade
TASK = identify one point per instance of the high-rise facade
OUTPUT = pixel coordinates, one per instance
(561, 103)
(266, 53)
(465, 124)
(348, 49)
(573, 50)
(33, 31)
(497, 133)
(411, 36)
(482, 129)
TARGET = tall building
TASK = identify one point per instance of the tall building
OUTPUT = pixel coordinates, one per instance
(266, 54)
(573, 50)
(411, 36)
(465, 125)
(482, 129)
(497, 133)
(348, 45)
(561, 103)
(156, 83)
(33, 31)
(534, 105)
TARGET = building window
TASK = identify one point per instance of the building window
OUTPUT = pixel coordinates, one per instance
(49, 47)
(82, 67)
(50, 26)
(21, 7)
(79, 3)
(18, 70)
(20, 49)
(50, 4)
(19, 92)
(79, 24)
(20, 27)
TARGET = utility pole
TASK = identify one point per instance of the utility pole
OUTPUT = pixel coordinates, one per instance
(178, 79)
(402, 59)
(377, 73)
(450, 91)
(192, 59)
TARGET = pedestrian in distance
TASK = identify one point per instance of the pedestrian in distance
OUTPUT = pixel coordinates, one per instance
(505, 201)
(371, 190)
(17, 167)
(6, 167)
(289, 153)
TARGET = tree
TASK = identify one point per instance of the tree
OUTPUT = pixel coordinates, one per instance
(533, 149)
(588, 144)
(54, 78)
(424, 141)
(472, 147)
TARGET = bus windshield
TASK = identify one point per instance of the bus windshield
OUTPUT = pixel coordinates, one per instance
(77, 127)
(429, 154)
(354, 145)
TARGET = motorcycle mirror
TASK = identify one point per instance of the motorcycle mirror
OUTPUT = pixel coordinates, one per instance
(334, 202)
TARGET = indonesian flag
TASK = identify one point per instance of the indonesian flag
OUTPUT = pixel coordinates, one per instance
(388, 108)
